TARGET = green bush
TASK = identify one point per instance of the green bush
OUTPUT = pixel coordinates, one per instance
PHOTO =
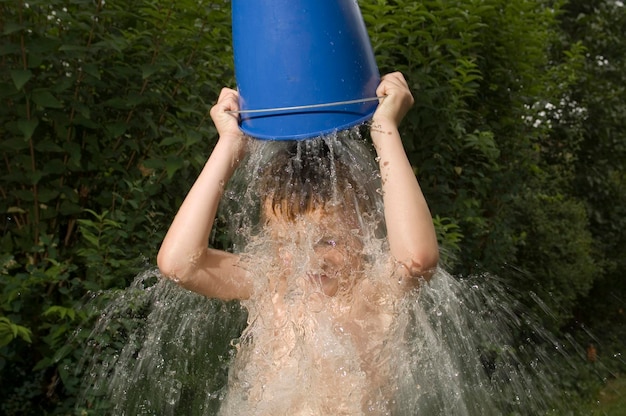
(483, 74)
(600, 178)
(104, 125)
(555, 247)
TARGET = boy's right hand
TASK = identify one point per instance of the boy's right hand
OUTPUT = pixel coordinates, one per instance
(398, 99)
(227, 124)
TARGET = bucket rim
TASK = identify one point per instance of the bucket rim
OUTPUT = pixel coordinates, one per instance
(309, 134)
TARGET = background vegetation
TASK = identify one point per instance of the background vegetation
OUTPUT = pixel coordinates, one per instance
(517, 137)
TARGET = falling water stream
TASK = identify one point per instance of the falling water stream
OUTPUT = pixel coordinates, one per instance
(447, 347)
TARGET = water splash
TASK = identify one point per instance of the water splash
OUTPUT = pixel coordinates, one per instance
(450, 347)
(159, 350)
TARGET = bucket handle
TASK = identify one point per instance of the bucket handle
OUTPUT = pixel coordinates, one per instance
(304, 107)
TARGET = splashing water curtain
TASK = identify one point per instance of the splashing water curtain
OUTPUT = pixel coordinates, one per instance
(452, 349)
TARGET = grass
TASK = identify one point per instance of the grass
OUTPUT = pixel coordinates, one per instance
(610, 401)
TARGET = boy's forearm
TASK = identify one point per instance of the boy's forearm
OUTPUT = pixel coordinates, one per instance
(187, 237)
(410, 229)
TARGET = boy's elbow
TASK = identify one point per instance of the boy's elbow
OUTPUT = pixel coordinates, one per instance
(171, 268)
(423, 264)
(432, 260)
(165, 265)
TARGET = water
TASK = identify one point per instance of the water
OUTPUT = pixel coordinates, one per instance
(159, 350)
(304, 346)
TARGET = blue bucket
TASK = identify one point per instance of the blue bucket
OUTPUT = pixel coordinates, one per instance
(295, 60)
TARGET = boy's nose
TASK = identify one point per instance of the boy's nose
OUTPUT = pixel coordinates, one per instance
(285, 256)
(334, 256)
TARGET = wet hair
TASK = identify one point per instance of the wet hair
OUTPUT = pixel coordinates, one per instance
(287, 179)
(308, 175)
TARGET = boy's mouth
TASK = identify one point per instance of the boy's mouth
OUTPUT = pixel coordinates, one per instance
(326, 283)
(318, 277)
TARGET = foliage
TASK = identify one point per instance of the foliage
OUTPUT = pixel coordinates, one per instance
(611, 401)
(516, 137)
(600, 174)
(555, 247)
(104, 123)
(491, 82)
(9, 331)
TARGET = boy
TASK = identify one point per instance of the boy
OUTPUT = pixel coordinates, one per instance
(321, 316)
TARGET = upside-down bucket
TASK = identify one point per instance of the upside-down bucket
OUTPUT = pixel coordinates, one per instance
(304, 68)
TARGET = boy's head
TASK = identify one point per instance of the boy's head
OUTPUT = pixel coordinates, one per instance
(283, 181)
(309, 176)
(311, 200)
(317, 200)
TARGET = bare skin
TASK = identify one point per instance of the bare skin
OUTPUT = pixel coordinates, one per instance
(185, 258)
(325, 238)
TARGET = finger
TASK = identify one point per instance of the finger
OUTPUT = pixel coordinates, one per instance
(381, 91)
(396, 79)
(228, 101)
(226, 92)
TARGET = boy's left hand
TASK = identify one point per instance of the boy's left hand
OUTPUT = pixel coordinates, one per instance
(227, 124)
(398, 99)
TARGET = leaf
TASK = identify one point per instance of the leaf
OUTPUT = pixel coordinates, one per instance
(34, 177)
(86, 122)
(134, 98)
(155, 164)
(24, 333)
(24, 195)
(15, 210)
(60, 311)
(90, 237)
(9, 49)
(171, 140)
(69, 208)
(48, 146)
(92, 69)
(116, 129)
(15, 144)
(148, 70)
(45, 99)
(173, 164)
(21, 77)
(27, 127)
(117, 103)
(54, 166)
(5, 336)
(62, 352)
(47, 195)
(193, 137)
(76, 48)
(43, 363)
(9, 331)
(12, 27)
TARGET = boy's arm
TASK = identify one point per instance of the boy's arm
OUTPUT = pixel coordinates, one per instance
(410, 229)
(184, 256)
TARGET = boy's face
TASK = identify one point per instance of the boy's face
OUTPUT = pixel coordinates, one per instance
(327, 244)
